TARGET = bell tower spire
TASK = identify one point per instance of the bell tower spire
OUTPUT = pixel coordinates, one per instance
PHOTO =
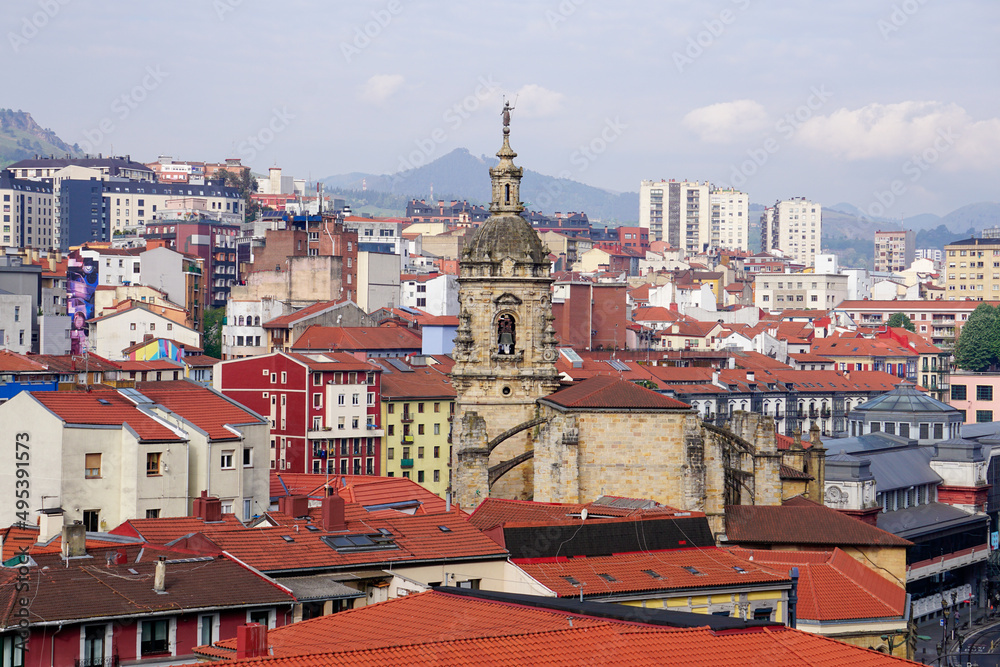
(505, 345)
(505, 176)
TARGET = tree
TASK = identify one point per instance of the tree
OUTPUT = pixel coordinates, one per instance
(246, 184)
(212, 338)
(901, 320)
(978, 346)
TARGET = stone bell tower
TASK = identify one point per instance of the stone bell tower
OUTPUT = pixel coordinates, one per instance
(505, 348)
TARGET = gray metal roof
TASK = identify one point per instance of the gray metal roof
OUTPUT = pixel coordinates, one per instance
(894, 468)
(984, 430)
(924, 519)
(865, 443)
(904, 398)
(319, 588)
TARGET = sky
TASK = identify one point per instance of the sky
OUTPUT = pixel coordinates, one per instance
(891, 105)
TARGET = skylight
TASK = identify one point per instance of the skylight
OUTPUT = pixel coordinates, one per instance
(607, 577)
(693, 570)
(653, 573)
(572, 581)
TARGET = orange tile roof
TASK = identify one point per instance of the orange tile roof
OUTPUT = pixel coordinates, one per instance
(834, 586)
(12, 362)
(357, 338)
(605, 391)
(604, 576)
(205, 408)
(364, 490)
(421, 383)
(417, 538)
(166, 529)
(492, 512)
(438, 628)
(105, 407)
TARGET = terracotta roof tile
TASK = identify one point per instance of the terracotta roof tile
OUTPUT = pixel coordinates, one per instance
(105, 407)
(357, 339)
(494, 512)
(203, 407)
(801, 521)
(364, 490)
(605, 391)
(676, 569)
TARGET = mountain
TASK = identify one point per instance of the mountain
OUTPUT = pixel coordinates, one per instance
(459, 174)
(22, 138)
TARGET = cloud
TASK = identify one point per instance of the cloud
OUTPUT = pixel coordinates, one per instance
(727, 121)
(902, 130)
(380, 87)
(534, 101)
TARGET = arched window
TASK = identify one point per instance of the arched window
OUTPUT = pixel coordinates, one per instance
(240, 322)
(506, 195)
(256, 320)
(506, 334)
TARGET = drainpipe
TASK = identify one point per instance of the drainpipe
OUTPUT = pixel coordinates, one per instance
(793, 597)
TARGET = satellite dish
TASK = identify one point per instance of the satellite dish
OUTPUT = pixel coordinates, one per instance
(583, 514)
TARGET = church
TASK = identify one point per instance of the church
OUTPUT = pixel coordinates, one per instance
(518, 434)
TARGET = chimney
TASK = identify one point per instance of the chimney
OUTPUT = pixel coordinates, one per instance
(333, 514)
(50, 524)
(750, 376)
(251, 641)
(294, 506)
(207, 508)
(160, 575)
(74, 540)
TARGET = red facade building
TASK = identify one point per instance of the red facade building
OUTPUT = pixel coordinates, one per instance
(323, 408)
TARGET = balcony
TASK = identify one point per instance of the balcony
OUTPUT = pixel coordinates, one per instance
(407, 439)
(407, 418)
(406, 463)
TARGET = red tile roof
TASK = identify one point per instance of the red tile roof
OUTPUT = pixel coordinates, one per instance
(357, 339)
(421, 383)
(431, 629)
(199, 360)
(620, 574)
(833, 586)
(12, 362)
(417, 538)
(609, 392)
(494, 512)
(166, 529)
(364, 490)
(803, 522)
(105, 407)
(787, 472)
(205, 408)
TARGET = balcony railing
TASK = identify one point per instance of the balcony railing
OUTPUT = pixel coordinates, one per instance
(407, 417)
(406, 463)
(111, 661)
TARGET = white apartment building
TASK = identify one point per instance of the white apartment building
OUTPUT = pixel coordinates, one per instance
(108, 335)
(730, 220)
(434, 294)
(694, 216)
(778, 291)
(27, 213)
(794, 226)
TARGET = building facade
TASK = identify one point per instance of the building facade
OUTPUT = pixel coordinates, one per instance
(894, 250)
(795, 227)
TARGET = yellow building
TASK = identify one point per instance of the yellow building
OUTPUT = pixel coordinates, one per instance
(972, 269)
(417, 408)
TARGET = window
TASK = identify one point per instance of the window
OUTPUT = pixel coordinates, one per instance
(92, 466)
(437, 475)
(391, 429)
(247, 458)
(437, 452)
(355, 399)
(92, 520)
(207, 629)
(983, 416)
(317, 379)
(925, 431)
(420, 429)
(93, 648)
(420, 452)
(152, 464)
(226, 460)
(437, 429)
(938, 431)
(153, 514)
(317, 400)
(420, 407)
(420, 476)
(154, 637)
(984, 392)
(390, 453)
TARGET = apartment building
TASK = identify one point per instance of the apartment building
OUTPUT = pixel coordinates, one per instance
(678, 212)
(894, 250)
(972, 269)
(938, 321)
(213, 241)
(417, 409)
(27, 207)
(730, 219)
(777, 291)
(795, 227)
